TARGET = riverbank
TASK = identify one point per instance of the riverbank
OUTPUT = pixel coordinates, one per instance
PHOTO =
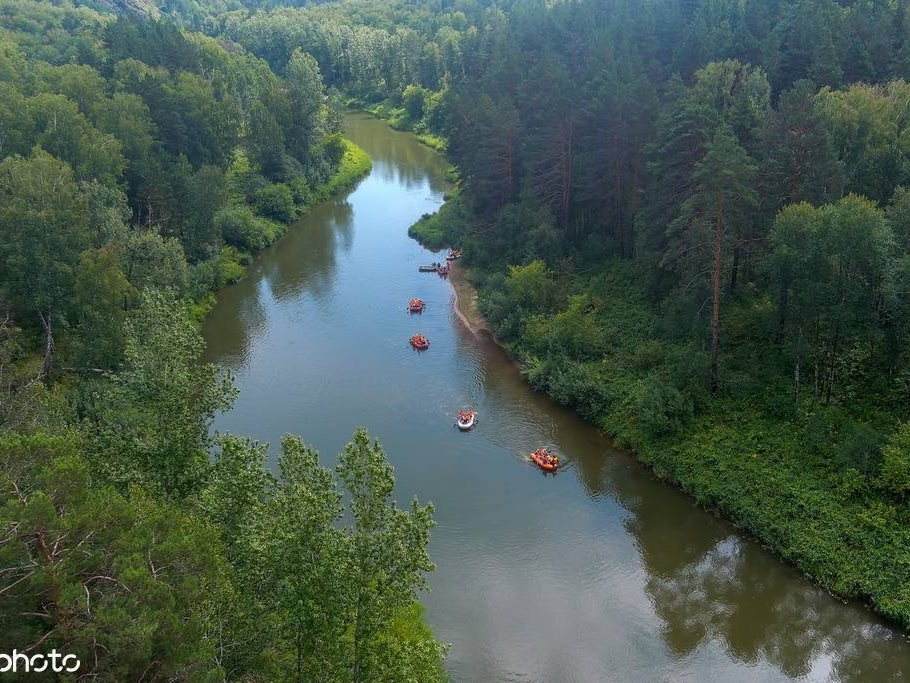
(232, 262)
(466, 306)
(398, 119)
(772, 473)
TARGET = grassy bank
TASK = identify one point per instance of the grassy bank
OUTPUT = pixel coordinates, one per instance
(399, 119)
(354, 165)
(800, 476)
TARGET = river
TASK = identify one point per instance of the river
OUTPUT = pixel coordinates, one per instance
(599, 573)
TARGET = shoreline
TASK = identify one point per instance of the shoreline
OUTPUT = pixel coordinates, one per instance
(465, 305)
(355, 165)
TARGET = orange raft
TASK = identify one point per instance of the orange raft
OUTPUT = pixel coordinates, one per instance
(415, 306)
(544, 460)
(443, 270)
(419, 342)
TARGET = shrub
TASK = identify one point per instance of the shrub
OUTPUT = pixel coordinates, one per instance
(661, 408)
(226, 268)
(241, 229)
(895, 474)
(573, 385)
(413, 99)
(335, 149)
(275, 201)
(648, 354)
(576, 329)
(860, 448)
(300, 188)
(531, 287)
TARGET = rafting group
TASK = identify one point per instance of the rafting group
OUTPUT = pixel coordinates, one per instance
(467, 417)
(542, 457)
(441, 269)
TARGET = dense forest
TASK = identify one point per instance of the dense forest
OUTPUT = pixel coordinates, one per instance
(141, 165)
(689, 221)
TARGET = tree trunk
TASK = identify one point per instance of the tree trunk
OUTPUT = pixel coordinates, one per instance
(47, 363)
(734, 273)
(715, 308)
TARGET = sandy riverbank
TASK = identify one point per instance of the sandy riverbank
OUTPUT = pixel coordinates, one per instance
(466, 300)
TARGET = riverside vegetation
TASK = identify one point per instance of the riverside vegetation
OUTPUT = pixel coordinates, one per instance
(141, 165)
(688, 219)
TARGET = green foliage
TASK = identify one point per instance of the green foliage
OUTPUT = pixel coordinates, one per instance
(661, 408)
(240, 228)
(445, 227)
(140, 166)
(896, 464)
(151, 424)
(323, 589)
(389, 550)
(43, 228)
(275, 202)
(118, 580)
(102, 297)
(414, 98)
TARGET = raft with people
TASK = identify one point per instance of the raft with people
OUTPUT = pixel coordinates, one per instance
(420, 342)
(466, 419)
(415, 305)
(429, 268)
(548, 462)
(443, 270)
(454, 254)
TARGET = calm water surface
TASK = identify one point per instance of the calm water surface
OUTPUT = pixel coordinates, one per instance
(600, 573)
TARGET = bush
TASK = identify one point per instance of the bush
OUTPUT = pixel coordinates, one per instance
(576, 329)
(241, 229)
(572, 384)
(860, 448)
(226, 268)
(276, 202)
(300, 188)
(895, 475)
(531, 287)
(661, 408)
(648, 354)
(448, 226)
(413, 99)
(335, 148)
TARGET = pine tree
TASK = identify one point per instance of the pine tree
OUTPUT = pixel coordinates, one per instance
(719, 206)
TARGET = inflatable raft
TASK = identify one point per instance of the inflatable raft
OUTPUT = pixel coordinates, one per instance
(545, 460)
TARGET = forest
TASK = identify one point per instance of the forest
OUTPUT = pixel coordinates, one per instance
(688, 220)
(141, 167)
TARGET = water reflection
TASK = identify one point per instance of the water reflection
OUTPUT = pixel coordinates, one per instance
(708, 583)
(307, 259)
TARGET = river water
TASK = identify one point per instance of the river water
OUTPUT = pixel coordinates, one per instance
(599, 573)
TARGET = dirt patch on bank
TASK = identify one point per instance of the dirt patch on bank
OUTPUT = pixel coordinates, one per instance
(466, 301)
